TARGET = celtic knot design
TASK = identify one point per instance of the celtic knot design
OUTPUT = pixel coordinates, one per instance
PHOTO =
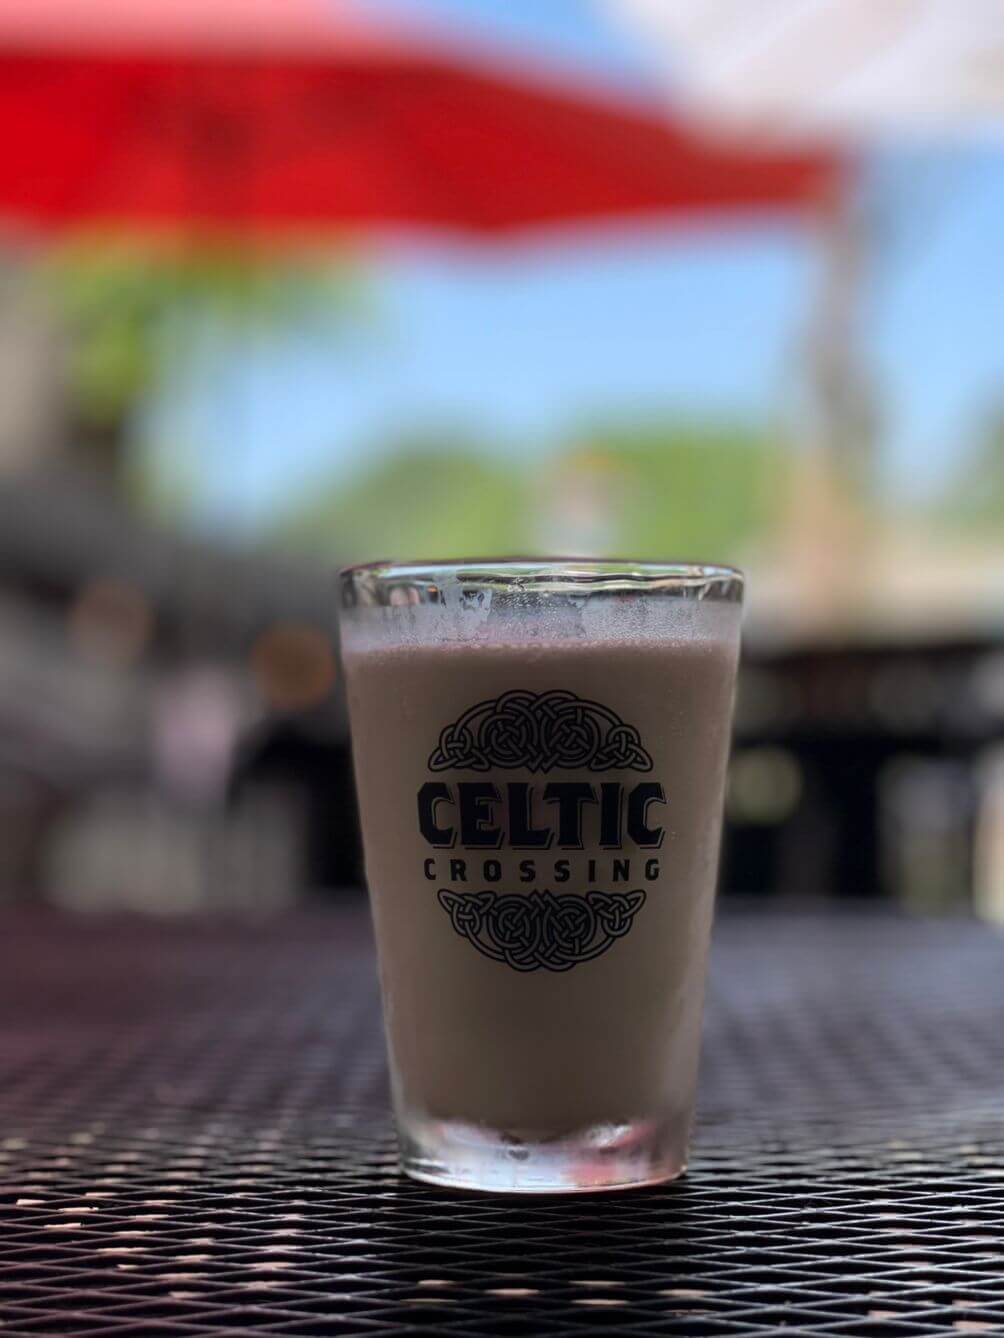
(539, 731)
(541, 929)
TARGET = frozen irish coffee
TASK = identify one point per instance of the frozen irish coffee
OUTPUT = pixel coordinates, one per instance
(540, 753)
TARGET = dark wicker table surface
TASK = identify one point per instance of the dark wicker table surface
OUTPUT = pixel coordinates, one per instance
(194, 1139)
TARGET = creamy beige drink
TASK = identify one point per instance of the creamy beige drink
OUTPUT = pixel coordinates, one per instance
(540, 801)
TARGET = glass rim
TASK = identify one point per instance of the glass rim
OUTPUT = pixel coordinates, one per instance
(559, 575)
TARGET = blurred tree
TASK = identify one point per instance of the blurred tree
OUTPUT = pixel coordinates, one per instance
(444, 499)
(665, 490)
(130, 306)
(974, 500)
(660, 490)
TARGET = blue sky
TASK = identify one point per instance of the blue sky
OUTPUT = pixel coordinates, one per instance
(518, 343)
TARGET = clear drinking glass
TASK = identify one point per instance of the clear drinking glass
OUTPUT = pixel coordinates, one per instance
(540, 751)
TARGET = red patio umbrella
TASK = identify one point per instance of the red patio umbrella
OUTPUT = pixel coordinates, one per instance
(297, 114)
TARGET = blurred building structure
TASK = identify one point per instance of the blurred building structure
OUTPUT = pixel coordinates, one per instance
(860, 766)
(173, 737)
(170, 734)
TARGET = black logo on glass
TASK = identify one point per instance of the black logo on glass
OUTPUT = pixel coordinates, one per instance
(539, 731)
(541, 928)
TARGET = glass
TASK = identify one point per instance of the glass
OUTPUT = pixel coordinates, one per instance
(540, 751)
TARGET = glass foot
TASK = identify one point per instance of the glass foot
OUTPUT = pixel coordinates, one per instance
(602, 1157)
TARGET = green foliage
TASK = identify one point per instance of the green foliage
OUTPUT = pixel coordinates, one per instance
(975, 500)
(655, 491)
(131, 307)
(678, 490)
(440, 500)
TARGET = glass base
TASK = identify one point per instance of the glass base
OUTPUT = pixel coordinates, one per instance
(603, 1157)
